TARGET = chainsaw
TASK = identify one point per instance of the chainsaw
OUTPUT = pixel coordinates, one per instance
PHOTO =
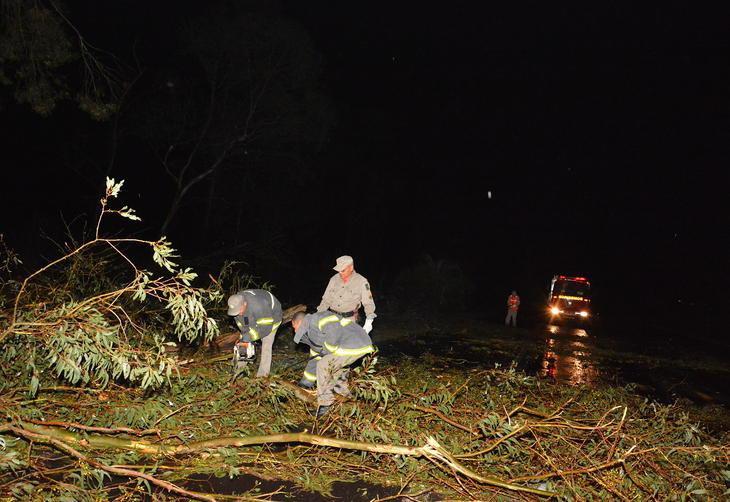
(243, 353)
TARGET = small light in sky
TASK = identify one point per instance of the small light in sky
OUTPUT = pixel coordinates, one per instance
(489, 194)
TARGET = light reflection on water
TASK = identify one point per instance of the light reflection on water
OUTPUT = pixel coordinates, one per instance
(566, 359)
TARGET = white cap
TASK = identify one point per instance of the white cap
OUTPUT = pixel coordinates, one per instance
(342, 263)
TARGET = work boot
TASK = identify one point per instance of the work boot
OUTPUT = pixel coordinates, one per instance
(322, 410)
(306, 384)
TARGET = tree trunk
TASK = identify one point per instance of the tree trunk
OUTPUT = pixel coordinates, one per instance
(227, 340)
(171, 212)
(210, 204)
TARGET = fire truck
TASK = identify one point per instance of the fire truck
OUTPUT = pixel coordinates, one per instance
(570, 299)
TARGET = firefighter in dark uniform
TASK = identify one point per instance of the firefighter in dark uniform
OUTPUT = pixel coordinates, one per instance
(257, 313)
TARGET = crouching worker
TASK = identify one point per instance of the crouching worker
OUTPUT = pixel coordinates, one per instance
(258, 315)
(339, 342)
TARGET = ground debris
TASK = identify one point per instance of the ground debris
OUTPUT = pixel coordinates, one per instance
(416, 425)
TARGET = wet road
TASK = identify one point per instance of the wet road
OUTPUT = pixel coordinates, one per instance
(567, 356)
(662, 365)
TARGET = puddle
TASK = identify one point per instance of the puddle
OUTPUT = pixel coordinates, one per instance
(239, 485)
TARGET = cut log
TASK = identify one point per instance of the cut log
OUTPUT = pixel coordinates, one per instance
(229, 338)
(287, 315)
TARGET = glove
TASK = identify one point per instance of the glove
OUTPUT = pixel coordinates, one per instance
(368, 326)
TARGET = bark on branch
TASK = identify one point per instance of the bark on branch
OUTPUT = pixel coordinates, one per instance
(432, 451)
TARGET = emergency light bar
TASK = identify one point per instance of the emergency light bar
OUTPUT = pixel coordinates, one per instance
(576, 279)
(567, 297)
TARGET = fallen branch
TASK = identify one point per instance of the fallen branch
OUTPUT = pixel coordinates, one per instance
(431, 450)
(299, 393)
(119, 471)
(444, 418)
(104, 430)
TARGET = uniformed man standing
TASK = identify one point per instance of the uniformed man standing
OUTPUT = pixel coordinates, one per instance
(346, 292)
(258, 315)
(337, 343)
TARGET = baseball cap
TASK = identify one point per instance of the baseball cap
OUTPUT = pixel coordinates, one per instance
(342, 262)
(235, 302)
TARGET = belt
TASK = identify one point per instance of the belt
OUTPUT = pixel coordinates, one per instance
(345, 314)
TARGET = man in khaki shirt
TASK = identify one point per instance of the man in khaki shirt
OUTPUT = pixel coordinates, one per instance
(347, 291)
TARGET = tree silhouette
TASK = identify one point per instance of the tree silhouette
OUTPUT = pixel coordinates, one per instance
(243, 90)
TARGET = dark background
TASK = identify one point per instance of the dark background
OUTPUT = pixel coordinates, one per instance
(601, 133)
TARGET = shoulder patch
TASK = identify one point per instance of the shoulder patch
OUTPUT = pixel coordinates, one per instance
(367, 286)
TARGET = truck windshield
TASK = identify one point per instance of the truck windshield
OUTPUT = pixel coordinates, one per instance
(573, 289)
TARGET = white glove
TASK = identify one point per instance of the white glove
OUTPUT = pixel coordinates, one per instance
(368, 326)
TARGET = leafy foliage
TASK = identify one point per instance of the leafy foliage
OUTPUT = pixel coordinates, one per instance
(107, 333)
(530, 428)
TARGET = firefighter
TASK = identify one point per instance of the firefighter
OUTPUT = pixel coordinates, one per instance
(346, 292)
(337, 342)
(258, 315)
(513, 305)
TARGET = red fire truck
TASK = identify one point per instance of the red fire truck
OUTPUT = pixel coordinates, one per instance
(570, 298)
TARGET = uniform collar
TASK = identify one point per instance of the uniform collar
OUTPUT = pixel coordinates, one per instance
(353, 276)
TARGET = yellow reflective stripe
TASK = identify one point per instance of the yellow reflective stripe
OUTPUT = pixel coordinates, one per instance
(354, 352)
(345, 322)
(310, 377)
(313, 353)
(264, 321)
(239, 324)
(329, 347)
(326, 320)
(318, 358)
(568, 297)
(275, 327)
(254, 334)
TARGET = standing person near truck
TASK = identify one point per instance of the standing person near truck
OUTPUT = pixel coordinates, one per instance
(513, 305)
(346, 292)
(257, 313)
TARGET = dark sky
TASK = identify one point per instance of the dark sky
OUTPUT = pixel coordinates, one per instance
(601, 133)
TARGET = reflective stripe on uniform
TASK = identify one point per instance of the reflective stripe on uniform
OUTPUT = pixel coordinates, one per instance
(275, 327)
(272, 300)
(326, 320)
(264, 321)
(254, 334)
(353, 352)
(345, 322)
(331, 348)
(310, 377)
(313, 353)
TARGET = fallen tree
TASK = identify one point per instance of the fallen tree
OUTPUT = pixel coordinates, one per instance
(434, 428)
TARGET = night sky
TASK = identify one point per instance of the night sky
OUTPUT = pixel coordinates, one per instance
(601, 133)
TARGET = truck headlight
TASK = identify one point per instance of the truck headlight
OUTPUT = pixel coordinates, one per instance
(555, 311)
(583, 313)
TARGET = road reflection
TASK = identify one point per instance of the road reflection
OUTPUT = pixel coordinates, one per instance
(566, 358)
